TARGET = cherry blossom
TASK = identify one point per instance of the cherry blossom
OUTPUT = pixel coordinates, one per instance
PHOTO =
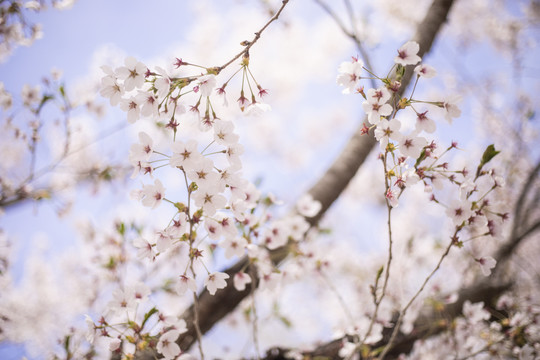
(185, 154)
(202, 172)
(240, 280)
(122, 302)
(185, 283)
(257, 108)
(148, 104)
(275, 235)
(224, 132)
(132, 74)
(209, 199)
(425, 71)
(215, 281)
(153, 194)
(375, 106)
(486, 264)
(110, 88)
(392, 198)
(143, 150)
(234, 246)
(458, 211)
(179, 227)
(132, 107)
(475, 313)
(297, 227)
(425, 123)
(114, 344)
(162, 83)
(350, 75)
(207, 83)
(164, 241)
(387, 130)
(91, 329)
(167, 344)
(30, 95)
(146, 249)
(407, 54)
(233, 153)
(347, 350)
(307, 206)
(451, 108)
(411, 145)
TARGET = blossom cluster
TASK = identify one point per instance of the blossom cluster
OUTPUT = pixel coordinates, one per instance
(515, 333)
(410, 158)
(219, 208)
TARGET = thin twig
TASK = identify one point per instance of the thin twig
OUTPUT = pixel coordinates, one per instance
(344, 306)
(379, 300)
(350, 34)
(195, 298)
(256, 38)
(404, 311)
(255, 318)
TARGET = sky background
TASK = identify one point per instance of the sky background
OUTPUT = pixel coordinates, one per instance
(296, 59)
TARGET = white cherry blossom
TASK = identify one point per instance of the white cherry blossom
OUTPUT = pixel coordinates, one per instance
(185, 154)
(375, 106)
(240, 280)
(349, 75)
(167, 344)
(110, 88)
(162, 83)
(207, 83)
(425, 71)
(387, 130)
(209, 200)
(215, 281)
(185, 283)
(486, 264)
(451, 109)
(407, 54)
(307, 206)
(425, 123)
(459, 211)
(132, 74)
(411, 145)
(132, 107)
(234, 246)
(153, 194)
(224, 132)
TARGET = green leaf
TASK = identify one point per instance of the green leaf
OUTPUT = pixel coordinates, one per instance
(379, 273)
(147, 316)
(489, 154)
(121, 228)
(421, 158)
(62, 90)
(285, 321)
(400, 71)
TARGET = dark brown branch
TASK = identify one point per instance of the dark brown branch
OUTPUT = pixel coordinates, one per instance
(326, 190)
(431, 322)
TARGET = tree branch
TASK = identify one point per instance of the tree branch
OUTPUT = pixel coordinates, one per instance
(431, 322)
(326, 191)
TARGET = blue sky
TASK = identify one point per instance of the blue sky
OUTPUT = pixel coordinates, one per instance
(147, 30)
